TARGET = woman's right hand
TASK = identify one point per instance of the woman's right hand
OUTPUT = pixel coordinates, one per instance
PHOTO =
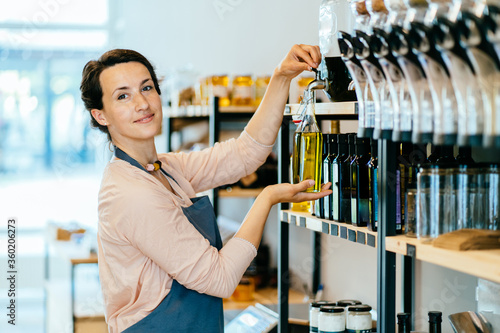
(295, 192)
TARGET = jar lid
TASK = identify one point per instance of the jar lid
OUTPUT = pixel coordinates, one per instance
(359, 308)
(347, 302)
(331, 309)
(319, 304)
(403, 317)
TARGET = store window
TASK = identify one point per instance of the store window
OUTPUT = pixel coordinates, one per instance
(44, 129)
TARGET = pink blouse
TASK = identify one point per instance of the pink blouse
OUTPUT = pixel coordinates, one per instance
(145, 240)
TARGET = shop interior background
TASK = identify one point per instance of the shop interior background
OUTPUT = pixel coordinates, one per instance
(51, 161)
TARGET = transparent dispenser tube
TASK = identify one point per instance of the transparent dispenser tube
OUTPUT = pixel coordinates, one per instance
(418, 87)
(487, 67)
(361, 87)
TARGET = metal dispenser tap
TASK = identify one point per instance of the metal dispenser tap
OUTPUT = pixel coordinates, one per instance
(318, 83)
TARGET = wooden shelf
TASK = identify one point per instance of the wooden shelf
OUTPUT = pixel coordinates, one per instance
(237, 192)
(481, 263)
(264, 296)
(360, 235)
(203, 110)
(338, 108)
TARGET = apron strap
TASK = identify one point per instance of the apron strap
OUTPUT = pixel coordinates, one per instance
(126, 157)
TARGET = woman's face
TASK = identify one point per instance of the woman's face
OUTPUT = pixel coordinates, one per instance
(131, 105)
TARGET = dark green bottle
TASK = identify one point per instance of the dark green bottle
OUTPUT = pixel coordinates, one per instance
(345, 170)
(328, 169)
(435, 319)
(343, 153)
(373, 189)
(319, 205)
(464, 156)
(360, 197)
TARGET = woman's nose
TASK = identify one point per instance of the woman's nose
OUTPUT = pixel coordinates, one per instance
(141, 102)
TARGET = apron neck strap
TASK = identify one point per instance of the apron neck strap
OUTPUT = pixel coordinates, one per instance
(126, 157)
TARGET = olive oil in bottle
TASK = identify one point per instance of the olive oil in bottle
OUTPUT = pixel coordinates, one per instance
(361, 183)
(308, 147)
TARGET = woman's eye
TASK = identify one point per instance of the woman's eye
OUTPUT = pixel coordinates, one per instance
(147, 88)
(122, 96)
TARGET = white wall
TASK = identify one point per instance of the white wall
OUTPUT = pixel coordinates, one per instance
(249, 37)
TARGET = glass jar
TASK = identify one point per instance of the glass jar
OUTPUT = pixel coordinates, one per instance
(423, 202)
(331, 319)
(314, 308)
(359, 319)
(443, 217)
(219, 87)
(242, 91)
(261, 84)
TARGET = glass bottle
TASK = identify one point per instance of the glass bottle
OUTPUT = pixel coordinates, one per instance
(307, 147)
(360, 212)
(333, 149)
(304, 206)
(373, 186)
(320, 203)
(446, 155)
(435, 319)
(404, 325)
(337, 179)
(346, 189)
(435, 154)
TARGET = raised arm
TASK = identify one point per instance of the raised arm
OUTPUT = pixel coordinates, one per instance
(266, 121)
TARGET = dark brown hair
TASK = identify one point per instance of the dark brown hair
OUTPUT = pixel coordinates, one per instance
(90, 87)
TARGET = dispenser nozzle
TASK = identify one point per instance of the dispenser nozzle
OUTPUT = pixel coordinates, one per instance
(318, 83)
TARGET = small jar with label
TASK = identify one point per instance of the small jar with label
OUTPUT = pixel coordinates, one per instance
(331, 319)
(314, 308)
(220, 88)
(359, 319)
(261, 84)
(242, 91)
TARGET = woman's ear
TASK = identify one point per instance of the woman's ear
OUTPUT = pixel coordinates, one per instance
(99, 117)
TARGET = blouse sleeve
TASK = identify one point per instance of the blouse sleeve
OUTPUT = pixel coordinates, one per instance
(224, 163)
(160, 230)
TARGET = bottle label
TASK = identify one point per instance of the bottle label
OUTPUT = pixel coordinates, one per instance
(336, 192)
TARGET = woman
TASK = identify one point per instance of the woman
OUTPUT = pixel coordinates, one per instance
(161, 262)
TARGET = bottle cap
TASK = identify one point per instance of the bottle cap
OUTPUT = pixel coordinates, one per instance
(331, 309)
(435, 316)
(403, 317)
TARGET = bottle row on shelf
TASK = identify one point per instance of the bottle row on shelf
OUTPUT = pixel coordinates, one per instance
(435, 194)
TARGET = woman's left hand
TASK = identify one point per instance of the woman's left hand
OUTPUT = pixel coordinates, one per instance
(300, 58)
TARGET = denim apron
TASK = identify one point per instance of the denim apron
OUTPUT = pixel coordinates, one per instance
(184, 310)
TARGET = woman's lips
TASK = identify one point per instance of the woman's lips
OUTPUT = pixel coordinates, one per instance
(145, 119)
